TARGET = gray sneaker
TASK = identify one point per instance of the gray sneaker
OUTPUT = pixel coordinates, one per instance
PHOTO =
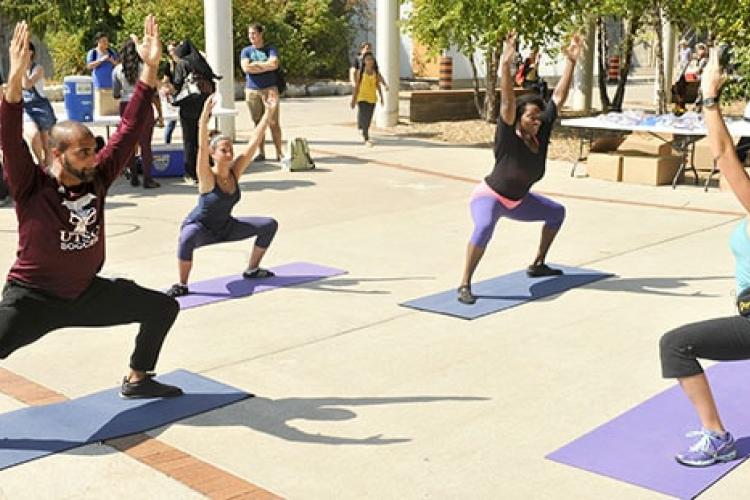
(148, 388)
(710, 449)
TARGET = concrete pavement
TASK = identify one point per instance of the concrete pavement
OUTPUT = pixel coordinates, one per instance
(358, 397)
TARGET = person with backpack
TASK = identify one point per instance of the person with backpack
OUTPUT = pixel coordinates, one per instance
(260, 62)
(193, 82)
(101, 60)
(365, 94)
(38, 108)
(211, 220)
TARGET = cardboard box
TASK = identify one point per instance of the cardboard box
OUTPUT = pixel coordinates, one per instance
(649, 170)
(647, 144)
(169, 160)
(704, 158)
(605, 166)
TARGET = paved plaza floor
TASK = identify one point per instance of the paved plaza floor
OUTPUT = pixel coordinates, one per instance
(357, 397)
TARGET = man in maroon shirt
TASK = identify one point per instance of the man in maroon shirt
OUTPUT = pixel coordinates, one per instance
(53, 283)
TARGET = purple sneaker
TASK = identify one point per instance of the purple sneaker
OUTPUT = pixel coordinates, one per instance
(710, 448)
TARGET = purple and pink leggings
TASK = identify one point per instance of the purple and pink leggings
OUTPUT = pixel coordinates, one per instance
(487, 207)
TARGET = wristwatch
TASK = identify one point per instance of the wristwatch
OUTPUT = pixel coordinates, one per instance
(710, 102)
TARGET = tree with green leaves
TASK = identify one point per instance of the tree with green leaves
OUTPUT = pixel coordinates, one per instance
(472, 26)
(313, 36)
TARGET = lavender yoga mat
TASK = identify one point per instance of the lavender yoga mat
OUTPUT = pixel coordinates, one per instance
(638, 447)
(234, 286)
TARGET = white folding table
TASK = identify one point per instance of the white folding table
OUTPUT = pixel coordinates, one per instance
(683, 138)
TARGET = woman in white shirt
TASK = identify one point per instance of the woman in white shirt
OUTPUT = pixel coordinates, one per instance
(124, 78)
(38, 108)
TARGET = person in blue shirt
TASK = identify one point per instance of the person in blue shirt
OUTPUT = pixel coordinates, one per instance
(721, 339)
(101, 60)
(260, 63)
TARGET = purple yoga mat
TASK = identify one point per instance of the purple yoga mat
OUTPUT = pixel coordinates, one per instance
(638, 447)
(234, 286)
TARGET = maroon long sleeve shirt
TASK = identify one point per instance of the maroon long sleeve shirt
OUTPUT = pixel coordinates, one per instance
(61, 230)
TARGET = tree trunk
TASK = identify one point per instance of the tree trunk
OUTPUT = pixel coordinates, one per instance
(660, 70)
(490, 84)
(475, 78)
(603, 64)
(627, 53)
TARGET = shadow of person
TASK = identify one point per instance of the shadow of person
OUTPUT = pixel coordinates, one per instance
(341, 285)
(656, 285)
(274, 416)
(113, 420)
(282, 185)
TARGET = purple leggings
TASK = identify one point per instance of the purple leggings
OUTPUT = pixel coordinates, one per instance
(486, 210)
(195, 234)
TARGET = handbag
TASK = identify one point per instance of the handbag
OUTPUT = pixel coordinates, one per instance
(189, 88)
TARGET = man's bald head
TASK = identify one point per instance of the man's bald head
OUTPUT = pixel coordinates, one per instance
(68, 132)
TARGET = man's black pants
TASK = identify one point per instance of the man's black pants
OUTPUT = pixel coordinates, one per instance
(27, 314)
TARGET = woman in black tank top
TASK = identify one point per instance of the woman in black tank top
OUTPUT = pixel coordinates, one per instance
(524, 128)
(211, 221)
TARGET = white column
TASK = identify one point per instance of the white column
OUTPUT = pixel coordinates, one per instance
(220, 54)
(387, 53)
(583, 78)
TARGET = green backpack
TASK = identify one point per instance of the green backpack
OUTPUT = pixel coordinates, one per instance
(299, 155)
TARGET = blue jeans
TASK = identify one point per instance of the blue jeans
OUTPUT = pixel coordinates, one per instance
(168, 130)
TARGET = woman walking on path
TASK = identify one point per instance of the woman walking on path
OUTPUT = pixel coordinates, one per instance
(365, 94)
(523, 133)
(219, 191)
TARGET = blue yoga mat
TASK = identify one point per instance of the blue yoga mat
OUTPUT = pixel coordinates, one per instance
(39, 431)
(638, 447)
(506, 291)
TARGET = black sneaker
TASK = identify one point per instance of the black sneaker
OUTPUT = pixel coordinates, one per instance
(178, 290)
(540, 270)
(260, 157)
(258, 273)
(465, 296)
(148, 388)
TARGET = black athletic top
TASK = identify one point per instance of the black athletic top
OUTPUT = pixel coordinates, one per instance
(517, 168)
(214, 209)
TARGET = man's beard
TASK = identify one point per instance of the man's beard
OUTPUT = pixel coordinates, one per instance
(86, 175)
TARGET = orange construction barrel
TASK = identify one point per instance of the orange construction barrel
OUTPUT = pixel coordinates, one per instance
(614, 68)
(446, 73)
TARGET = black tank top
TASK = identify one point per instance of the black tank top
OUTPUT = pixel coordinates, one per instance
(214, 209)
(517, 168)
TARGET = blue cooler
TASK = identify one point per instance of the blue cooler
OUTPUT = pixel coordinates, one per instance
(169, 160)
(78, 94)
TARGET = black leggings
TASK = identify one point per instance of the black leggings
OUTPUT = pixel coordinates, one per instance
(364, 117)
(26, 315)
(721, 339)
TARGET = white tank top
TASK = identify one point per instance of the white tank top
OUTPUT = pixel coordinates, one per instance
(39, 85)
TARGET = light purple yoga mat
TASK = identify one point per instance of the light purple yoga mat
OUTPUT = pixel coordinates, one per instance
(638, 447)
(234, 286)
